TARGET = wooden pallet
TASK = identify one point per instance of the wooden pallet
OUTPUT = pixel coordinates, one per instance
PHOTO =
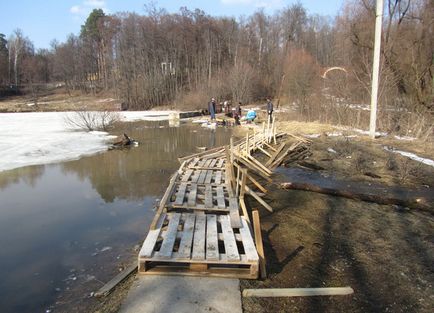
(201, 245)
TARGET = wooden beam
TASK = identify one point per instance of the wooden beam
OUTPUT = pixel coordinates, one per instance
(274, 156)
(298, 292)
(254, 181)
(259, 199)
(259, 244)
(108, 287)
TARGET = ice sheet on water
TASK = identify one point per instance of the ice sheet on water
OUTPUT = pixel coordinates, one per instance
(131, 116)
(40, 138)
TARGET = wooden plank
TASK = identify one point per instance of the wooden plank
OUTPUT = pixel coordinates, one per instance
(264, 151)
(298, 292)
(259, 244)
(163, 201)
(259, 164)
(207, 163)
(197, 207)
(253, 180)
(169, 240)
(212, 250)
(234, 213)
(184, 251)
(195, 176)
(208, 197)
(186, 175)
(220, 197)
(199, 238)
(208, 177)
(192, 195)
(194, 162)
(180, 194)
(202, 176)
(108, 287)
(220, 162)
(259, 199)
(218, 177)
(229, 239)
(213, 162)
(249, 246)
(150, 240)
(201, 162)
(275, 154)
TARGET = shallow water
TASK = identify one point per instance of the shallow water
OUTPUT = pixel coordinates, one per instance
(65, 228)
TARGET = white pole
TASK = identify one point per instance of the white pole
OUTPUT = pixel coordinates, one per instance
(376, 67)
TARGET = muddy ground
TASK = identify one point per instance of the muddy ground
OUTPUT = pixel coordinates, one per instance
(384, 252)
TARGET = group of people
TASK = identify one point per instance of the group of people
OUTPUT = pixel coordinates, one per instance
(250, 116)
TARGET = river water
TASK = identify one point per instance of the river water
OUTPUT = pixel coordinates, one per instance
(67, 228)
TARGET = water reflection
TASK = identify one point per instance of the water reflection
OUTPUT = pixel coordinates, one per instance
(139, 171)
(65, 227)
(28, 175)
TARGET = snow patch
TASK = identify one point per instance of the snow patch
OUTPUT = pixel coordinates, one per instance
(406, 138)
(411, 156)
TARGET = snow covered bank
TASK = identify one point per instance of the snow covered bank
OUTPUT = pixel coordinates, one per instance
(40, 138)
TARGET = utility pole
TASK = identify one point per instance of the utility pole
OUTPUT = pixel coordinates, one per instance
(376, 67)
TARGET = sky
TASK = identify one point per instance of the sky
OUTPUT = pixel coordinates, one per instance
(45, 20)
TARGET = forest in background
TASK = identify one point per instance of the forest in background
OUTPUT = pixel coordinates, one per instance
(183, 59)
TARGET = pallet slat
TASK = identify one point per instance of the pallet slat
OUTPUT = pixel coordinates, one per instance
(229, 239)
(191, 200)
(199, 238)
(151, 239)
(184, 251)
(220, 197)
(180, 194)
(169, 240)
(249, 246)
(212, 252)
(208, 197)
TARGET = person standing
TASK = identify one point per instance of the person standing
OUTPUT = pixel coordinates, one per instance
(211, 108)
(269, 109)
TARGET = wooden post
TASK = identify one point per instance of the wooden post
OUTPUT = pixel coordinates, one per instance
(237, 189)
(259, 245)
(247, 144)
(242, 191)
(232, 149)
(263, 131)
(268, 128)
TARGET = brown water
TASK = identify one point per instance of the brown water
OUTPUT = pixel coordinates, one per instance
(66, 228)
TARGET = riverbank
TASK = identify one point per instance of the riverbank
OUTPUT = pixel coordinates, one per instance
(315, 240)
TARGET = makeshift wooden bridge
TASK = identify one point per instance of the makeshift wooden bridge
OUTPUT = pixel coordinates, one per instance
(202, 226)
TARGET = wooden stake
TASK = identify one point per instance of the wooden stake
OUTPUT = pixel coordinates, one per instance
(259, 244)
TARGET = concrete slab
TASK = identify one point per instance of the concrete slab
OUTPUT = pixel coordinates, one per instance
(183, 294)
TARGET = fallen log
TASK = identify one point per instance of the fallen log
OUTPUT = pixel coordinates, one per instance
(417, 203)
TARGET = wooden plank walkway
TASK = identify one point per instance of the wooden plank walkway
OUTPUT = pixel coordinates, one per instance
(202, 225)
(199, 230)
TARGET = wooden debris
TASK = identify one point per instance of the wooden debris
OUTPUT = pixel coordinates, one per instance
(298, 292)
